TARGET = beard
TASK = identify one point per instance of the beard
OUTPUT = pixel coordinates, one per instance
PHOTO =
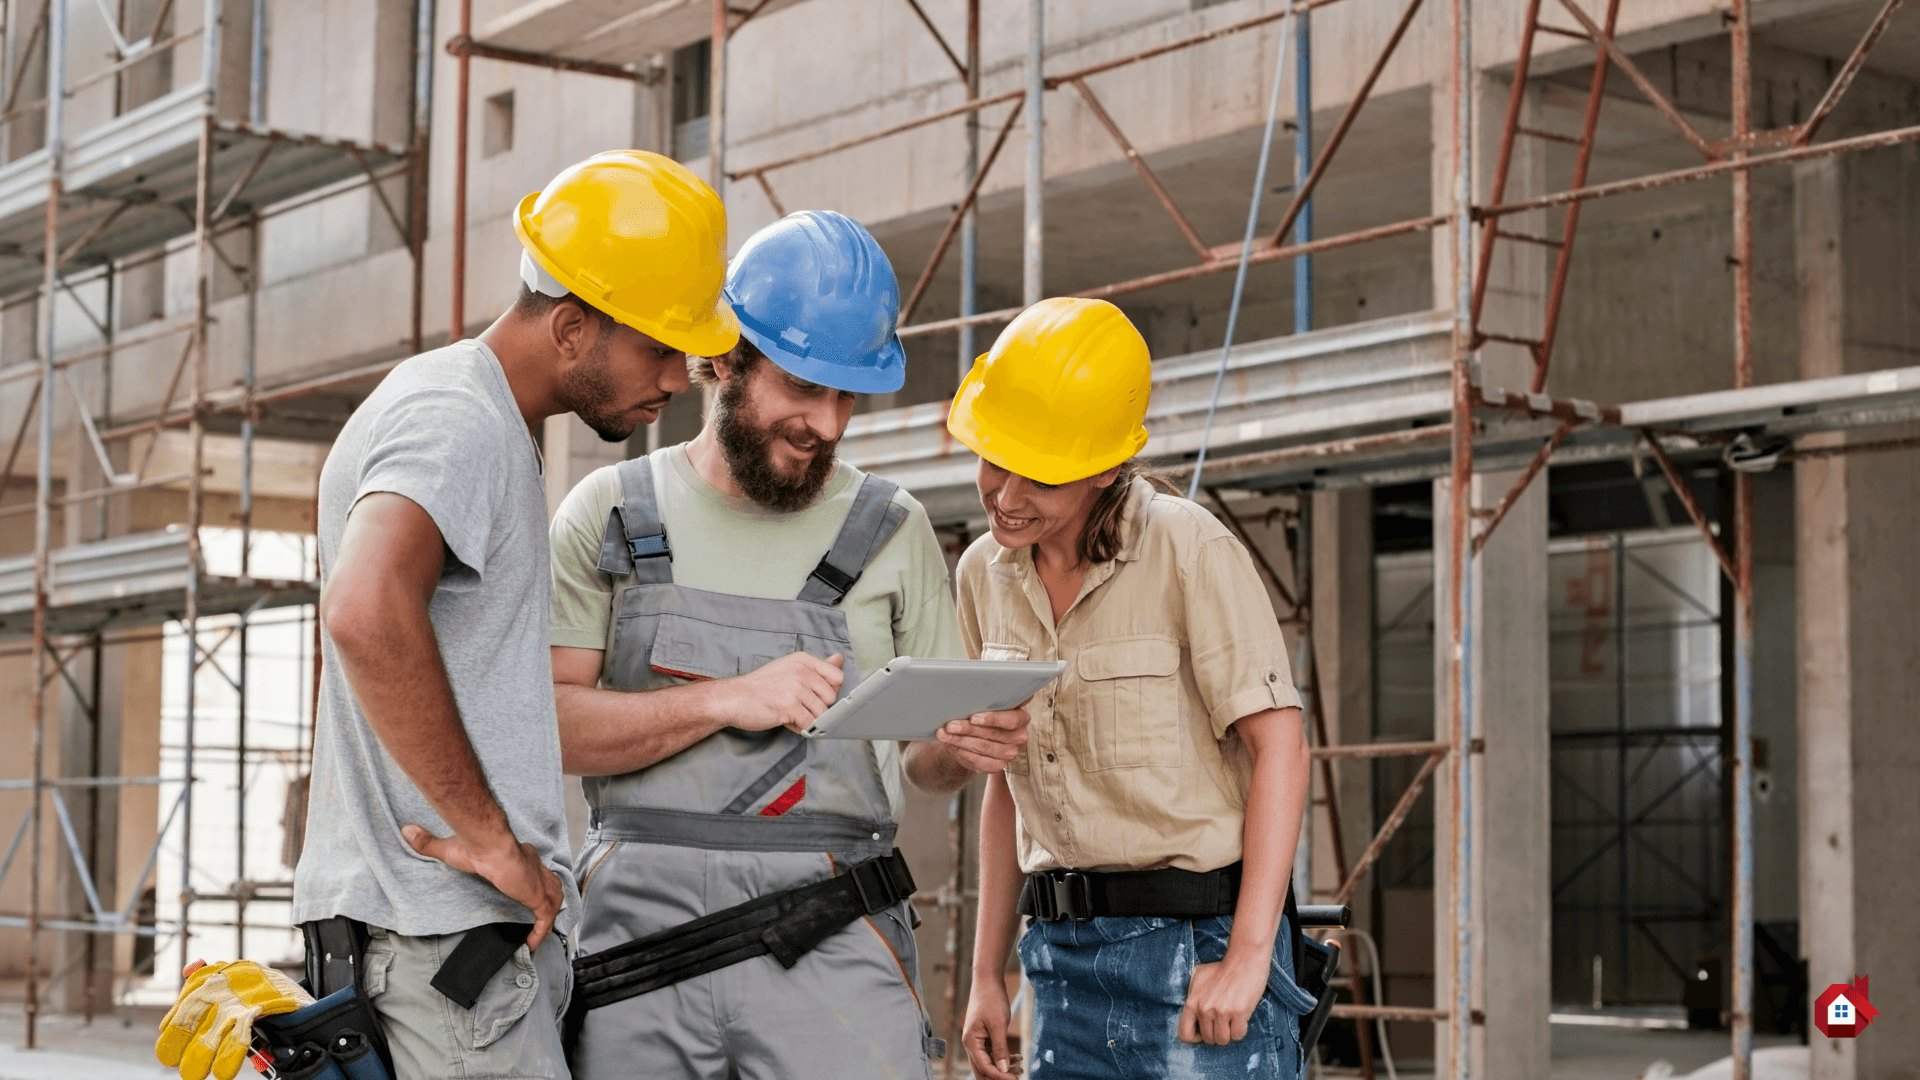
(746, 446)
(588, 392)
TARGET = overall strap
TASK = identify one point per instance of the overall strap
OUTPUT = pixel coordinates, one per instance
(635, 540)
(872, 521)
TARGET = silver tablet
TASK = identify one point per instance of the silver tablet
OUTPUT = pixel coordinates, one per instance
(911, 697)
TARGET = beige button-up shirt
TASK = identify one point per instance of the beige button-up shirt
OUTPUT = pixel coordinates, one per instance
(1131, 762)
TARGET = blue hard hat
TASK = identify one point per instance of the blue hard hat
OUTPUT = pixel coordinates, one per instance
(815, 293)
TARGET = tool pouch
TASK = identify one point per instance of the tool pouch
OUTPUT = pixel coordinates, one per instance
(335, 1038)
(1314, 966)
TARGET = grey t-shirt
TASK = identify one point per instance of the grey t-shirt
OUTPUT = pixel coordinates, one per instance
(444, 432)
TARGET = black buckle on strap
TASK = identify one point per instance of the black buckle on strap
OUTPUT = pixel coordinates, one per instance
(882, 883)
(834, 578)
(651, 545)
(1061, 895)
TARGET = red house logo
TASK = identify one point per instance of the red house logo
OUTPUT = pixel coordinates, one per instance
(1842, 1010)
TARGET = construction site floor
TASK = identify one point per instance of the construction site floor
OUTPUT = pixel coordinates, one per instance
(119, 1046)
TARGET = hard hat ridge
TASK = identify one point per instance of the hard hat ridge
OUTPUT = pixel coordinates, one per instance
(1061, 396)
(639, 237)
(816, 294)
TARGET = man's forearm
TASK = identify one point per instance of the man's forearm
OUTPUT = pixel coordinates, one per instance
(392, 662)
(610, 732)
(931, 768)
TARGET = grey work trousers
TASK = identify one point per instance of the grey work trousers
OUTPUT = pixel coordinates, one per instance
(511, 1033)
(848, 1010)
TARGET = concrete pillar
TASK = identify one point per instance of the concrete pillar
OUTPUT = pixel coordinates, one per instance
(1511, 912)
(1343, 649)
(1855, 218)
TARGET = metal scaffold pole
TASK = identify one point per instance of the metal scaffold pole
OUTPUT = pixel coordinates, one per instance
(1302, 165)
(970, 225)
(1459, 655)
(1033, 235)
(43, 491)
(457, 295)
(196, 476)
(717, 102)
(1740, 775)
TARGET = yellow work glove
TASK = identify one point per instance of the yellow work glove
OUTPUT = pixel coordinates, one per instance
(211, 1026)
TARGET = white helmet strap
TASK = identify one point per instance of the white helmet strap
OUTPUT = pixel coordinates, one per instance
(536, 278)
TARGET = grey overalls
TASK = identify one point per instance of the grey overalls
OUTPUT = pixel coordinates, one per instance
(737, 816)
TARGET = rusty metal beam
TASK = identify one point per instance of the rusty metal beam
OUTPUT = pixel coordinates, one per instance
(1345, 751)
(1845, 76)
(1052, 81)
(464, 46)
(1583, 157)
(1577, 410)
(959, 215)
(1520, 486)
(1225, 258)
(1684, 493)
(1873, 141)
(1640, 80)
(939, 39)
(779, 208)
(1305, 191)
(1509, 130)
(1146, 174)
(1390, 826)
(1333, 448)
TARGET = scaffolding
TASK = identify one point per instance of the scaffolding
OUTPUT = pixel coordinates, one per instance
(1365, 404)
(199, 161)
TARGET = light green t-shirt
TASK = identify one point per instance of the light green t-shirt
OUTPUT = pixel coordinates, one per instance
(901, 606)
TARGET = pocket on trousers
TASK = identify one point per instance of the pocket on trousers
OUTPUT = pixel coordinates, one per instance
(1127, 709)
(508, 996)
(379, 964)
(1281, 982)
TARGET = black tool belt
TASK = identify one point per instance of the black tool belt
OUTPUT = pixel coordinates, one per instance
(786, 924)
(1079, 895)
(342, 1030)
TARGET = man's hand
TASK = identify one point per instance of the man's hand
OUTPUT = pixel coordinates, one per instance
(513, 868)
(1220, 1000)
(985, 742)
(789, 692)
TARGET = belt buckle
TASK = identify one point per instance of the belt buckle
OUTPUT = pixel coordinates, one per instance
(1072, 896)
(882, 893)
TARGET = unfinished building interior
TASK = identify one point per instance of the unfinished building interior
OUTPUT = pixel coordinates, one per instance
(1567, 398)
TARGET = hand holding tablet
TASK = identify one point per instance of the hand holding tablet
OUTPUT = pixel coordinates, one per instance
(911, 697)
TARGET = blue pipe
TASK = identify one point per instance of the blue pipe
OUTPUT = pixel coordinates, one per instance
(1302, 162)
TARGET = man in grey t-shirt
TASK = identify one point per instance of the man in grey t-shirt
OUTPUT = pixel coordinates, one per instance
(436, 806)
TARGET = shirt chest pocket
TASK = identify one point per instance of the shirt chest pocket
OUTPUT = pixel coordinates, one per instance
(1125, 708)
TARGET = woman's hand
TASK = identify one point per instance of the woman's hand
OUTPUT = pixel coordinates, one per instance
(985, 1035)
(1221, 998)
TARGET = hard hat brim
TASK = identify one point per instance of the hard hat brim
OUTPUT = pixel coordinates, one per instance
(715, 335)
(1017, 455)
(882, 373)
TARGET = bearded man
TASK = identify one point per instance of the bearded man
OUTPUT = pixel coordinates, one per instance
(745, 911)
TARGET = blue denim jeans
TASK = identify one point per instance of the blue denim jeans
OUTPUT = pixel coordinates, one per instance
(1107, 996)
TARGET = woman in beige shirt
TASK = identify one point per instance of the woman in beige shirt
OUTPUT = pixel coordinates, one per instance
(1149, 825)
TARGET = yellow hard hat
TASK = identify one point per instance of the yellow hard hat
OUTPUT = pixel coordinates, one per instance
(1062, 394)
(640, 238)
